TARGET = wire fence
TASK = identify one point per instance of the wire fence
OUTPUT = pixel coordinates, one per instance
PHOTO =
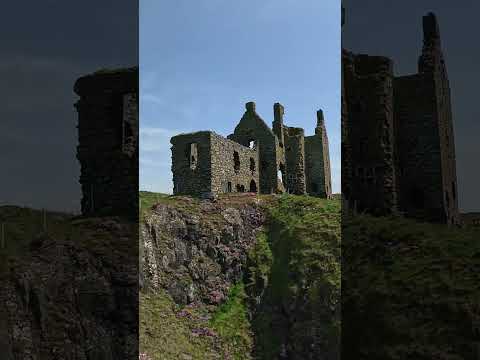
(25, 223)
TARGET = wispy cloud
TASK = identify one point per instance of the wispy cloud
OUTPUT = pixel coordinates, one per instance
(153, 99)
(156, 131)
(156, 139)
(153, 163)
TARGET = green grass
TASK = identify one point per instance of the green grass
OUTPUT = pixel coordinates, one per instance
(164, 335)
(296, 257)
(167, 329)
(22, 225)
(147, 200)
(231, 322)
(410, 289)
(304, 252)
(260, 261)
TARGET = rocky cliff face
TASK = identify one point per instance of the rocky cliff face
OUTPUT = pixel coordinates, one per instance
(197, 249)
(73, 294)
(281, 257)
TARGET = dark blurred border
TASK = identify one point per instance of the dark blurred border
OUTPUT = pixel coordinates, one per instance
(69, 183)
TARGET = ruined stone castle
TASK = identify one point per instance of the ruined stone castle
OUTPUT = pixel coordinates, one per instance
(255, 158)
(108, 142)
(398, 151)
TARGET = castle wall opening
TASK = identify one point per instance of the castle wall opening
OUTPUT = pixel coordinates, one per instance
(253, 186)
(252, 165)
(192, 152)
(236, 161)
(281, 173)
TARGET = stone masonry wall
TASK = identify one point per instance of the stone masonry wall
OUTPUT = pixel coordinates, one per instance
(371, 131)
(317, 161)
(108, 142)
(346, 140)
(314, 172)
(322, 133)
(229, 172)
(252, 128)
(432, 64)
(191, 163)
(254, 158)
(418, 150)
(295, 160)
(398, 150)
(425, 145)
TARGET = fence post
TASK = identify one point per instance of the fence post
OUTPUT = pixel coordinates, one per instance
(3, 235)
(92, 207)
(44, 218)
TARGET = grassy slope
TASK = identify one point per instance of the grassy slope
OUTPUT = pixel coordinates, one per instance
(302, 266)
(302, 243)
(22, 225)
(410, 290)
(230, 321)
(164, 335)
(166, 332)
(147, 200)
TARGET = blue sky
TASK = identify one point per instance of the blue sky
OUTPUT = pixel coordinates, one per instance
(202, 60)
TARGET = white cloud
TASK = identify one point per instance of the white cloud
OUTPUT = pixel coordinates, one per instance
(152, 98)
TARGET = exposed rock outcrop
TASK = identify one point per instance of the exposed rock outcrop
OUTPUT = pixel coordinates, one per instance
(198, 249)
(284, 251)
(73, 297)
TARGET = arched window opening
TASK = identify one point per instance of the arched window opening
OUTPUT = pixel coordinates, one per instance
(253, 186)
(252, 165)
(281, 173)
(192, 155)
(236, 161)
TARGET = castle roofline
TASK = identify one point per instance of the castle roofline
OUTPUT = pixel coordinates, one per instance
(250, 109)
(431, 30)
(206, 132)
(200, 132)
(120, 80)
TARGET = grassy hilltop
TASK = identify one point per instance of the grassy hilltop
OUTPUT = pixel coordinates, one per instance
(402, 289)
(291, 285)
(406, 290)
(410, 290)
(20, 227)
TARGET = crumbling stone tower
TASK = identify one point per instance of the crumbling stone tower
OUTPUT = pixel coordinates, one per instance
(398, 153)
(369, 100)
(108, 142)
(252, 131)
(425, 138)
(317, 172)
(254, 158)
